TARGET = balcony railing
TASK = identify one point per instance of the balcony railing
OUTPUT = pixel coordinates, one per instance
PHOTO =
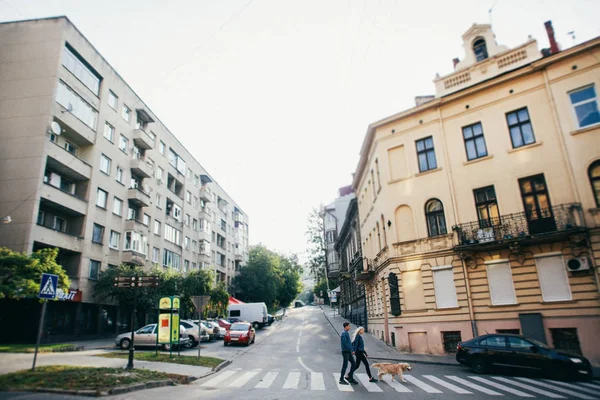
(545, 223)
(363, 269)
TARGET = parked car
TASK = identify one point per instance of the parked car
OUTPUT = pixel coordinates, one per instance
(195, 334)
(240, 332)
(146, 336)
(515, 351)
(270, 319)
(212, 332)
(223, 323)
(220, 332)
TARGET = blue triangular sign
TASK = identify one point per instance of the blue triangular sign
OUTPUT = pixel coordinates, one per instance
(48, 286)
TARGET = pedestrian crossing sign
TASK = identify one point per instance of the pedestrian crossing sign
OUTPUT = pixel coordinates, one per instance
(48, 286)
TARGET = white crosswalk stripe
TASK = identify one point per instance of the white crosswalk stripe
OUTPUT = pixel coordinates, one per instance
(557, 389)
(267, 381)
(501, 387)
(474, 386)
(398, 387)
(447, 385)
(341, 388)
(219, 378)
(316, 381)
(421, 384)
(576, 387)
(243, 379)
(589, 384)
(529, 387)
(370, 386)
(292, 380)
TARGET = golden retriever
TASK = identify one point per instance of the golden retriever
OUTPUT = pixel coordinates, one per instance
(392, 369)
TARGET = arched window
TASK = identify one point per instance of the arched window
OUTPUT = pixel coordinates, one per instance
(436, 222)
(480, 49)
(594, 173)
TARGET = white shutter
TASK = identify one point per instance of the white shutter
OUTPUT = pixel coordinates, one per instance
(445, 290)
(553, 278)
(502, 289)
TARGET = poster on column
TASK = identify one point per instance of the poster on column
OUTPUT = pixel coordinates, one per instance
(175, 328)
(164, 328)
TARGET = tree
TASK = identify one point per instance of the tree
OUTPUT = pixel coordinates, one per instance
(195, 283)
(322, 287)
(21, 274)
(316, 240)
(219, 300)
(290, 273)
(259, 280)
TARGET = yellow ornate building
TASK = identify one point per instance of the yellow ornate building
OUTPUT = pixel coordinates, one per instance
(480, 207)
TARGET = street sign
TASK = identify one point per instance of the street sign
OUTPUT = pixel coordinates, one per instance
(136, 281)
(48, 286)
(200, 302)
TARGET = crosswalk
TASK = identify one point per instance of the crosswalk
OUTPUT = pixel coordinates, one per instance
(496, 386)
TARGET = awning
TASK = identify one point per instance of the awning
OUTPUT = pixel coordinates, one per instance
(337, 289)
(233, 300)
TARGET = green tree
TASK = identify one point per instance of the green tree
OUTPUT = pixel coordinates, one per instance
(260, 279)
(291, 285)
(219, 300)
(21, 274)
(316, 240)
(322, 287)
(195, 283)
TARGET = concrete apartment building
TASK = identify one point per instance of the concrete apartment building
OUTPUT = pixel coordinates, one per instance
(480, 207)
(87, 167)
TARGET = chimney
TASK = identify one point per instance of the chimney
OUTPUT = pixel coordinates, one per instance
(455, 61)
(551, 39)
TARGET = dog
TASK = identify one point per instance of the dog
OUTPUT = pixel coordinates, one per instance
(392, 369)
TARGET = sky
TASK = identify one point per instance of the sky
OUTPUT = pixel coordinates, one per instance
(274, 97)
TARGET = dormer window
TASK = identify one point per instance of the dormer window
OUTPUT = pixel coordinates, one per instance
(480, 49)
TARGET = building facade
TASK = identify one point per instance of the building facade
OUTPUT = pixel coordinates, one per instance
(479, 207)
(87, 167)
(333, 219)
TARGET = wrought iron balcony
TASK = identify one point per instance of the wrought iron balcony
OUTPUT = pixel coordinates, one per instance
(364, 269)
(528, 227)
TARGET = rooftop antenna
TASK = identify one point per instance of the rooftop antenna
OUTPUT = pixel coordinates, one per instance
(572, 34)
(492, 9)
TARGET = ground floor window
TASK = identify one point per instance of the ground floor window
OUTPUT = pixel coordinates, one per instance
(451, 340)
(566, 339)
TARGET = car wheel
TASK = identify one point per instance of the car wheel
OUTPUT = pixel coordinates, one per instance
(479, 365)
(125, 344)
(191, 343)
(255, 325)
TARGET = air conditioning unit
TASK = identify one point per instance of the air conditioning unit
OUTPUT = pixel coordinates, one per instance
(578, 264)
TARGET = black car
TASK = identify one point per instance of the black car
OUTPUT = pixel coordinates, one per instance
(515, 351)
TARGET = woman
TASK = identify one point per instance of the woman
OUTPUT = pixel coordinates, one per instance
(359, 349)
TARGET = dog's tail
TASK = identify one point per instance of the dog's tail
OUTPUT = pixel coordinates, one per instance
(376, 365)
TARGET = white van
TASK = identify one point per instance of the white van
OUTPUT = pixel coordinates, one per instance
(255, 313)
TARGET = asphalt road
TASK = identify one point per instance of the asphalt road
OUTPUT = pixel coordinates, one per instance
(300, 358)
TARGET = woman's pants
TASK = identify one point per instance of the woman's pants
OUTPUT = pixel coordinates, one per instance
(360, 357)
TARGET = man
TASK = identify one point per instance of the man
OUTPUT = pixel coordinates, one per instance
(347, 353)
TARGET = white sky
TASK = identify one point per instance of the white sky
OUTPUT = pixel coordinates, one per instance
(274, 97)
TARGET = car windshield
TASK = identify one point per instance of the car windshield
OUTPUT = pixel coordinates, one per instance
(239, 327)
(539, 344)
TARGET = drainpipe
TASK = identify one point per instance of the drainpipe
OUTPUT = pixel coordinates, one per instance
(469, 298)
(385, 312)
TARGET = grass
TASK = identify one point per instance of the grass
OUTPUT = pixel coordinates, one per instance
(80, 378)
(30, 348)
(209, 362)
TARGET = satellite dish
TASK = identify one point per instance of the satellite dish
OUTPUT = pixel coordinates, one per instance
(55, 127)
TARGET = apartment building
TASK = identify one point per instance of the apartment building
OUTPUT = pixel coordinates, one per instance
(87, 167)
(480, 207)
(333, 219)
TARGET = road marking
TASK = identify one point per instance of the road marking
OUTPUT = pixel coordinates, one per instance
(398, 386)
(316, 381)
(448, 385)
(576, 387)
(267, 381)
(421, 384)
(501, 387)
(589, 384)
(304, 365)
(292, 380)
(219, 378)
(528, 387)
(243, 379)
(473, 386)
(370, 386)
(558, 389)
(341, 388)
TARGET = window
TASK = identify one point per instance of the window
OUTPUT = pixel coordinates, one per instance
(196, 202)
(126, 113)
(553, 278)
(474, 141)
(41, 219)
(500, 280)
(394, 294)
(177, 162)
(81, 69)
(105, 164)
(187, 219)
(71, 148)
(146, 220)
(177, 212)
(109, 131)
(123, 144)
(188, 196)
(70, 100)
(434, 213)
(519, 125)
(94, 269)
(171, 260)
(451, 340)
(155, 254)
(172, 235)
(494, 341)
(115, 239)
(186, 243)
(156, 227)
(487, 207)
(161, 147)
(137, 242)
(480, 49)
(119, 175)
(159, 173)
(224, 226)
(445, 290)
(220, 259)
(118, 206)
(186, 265)
(101, 197)
(518, 343)
(585, 105)
(158, 201)
(194, 246)
(190, 174)
(195, 224)
(60, 224)
(565, 339)
(113, 100)
(426, 154)
(412, 286)
(594, 174)
(97, 233)
(234, 313)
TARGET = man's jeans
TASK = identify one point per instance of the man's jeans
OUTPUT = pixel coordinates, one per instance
(348, 357)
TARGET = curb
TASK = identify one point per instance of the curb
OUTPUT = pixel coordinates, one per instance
(99, 393)
(221, 366)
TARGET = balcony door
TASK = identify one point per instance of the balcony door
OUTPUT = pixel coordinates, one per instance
(536, 202)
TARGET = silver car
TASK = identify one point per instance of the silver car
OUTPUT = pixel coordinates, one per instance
(146, 336)
(194, 333)
(221, 331)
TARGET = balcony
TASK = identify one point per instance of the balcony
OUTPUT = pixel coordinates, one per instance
(142, 140)
(204, 235)
(138, 197)
(205, 213)
(333, 270)
(205, 194)
(136, 225)
(66, 199)
(543, 226)
(65, 162)
(140, 168)
(133, 257)
(363, 269)
(56, 238)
